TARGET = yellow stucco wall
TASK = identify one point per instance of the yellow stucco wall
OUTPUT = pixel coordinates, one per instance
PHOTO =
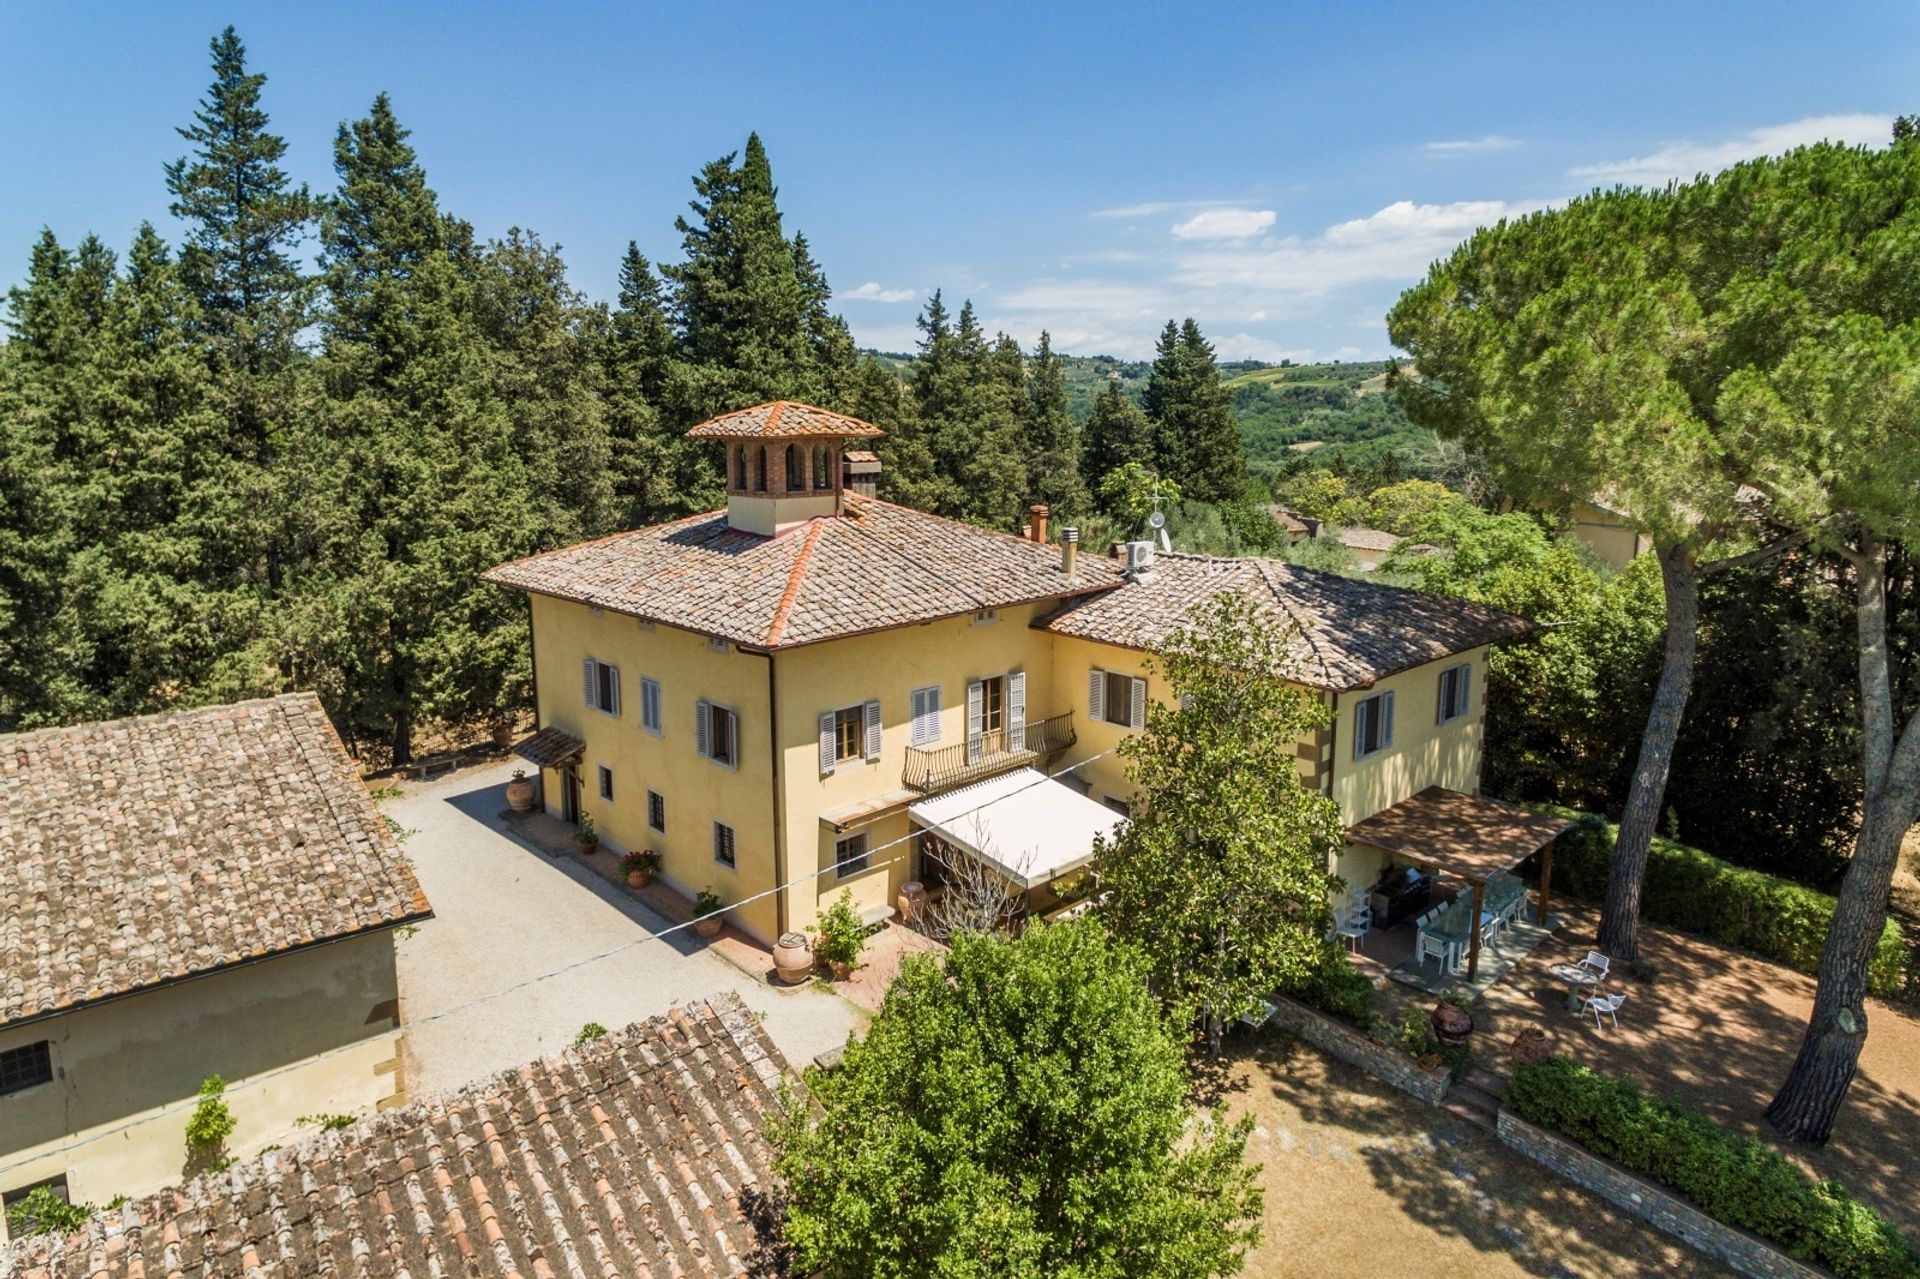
(697, 790)
(1073, 661)
(119, 1064)
(1610, 538)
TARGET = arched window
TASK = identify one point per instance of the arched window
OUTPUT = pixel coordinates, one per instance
(796, 468)
(760, 469)
(820, 479)
(740, 467)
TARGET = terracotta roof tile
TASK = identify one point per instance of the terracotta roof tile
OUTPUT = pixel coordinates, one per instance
(783, 419)
(550, 747)
(877, 565)
(629, 1155)
(144, 850)
(1349, 633)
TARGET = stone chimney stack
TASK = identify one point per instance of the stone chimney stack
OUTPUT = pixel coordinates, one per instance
(1039, 513)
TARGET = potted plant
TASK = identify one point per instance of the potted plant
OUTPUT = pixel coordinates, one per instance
(840, 936)
(706, 912)
(1530, 1045)
(639, 867)
(520, 791)
(586, 836)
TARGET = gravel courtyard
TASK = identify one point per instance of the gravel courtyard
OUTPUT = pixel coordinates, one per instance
(505, 915)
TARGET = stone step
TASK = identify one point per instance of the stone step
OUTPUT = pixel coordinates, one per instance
(1485, 1080)
(1470, 1095)
(1475, 1115)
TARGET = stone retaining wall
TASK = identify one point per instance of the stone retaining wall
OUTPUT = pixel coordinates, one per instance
(1745, 1253)
(1337, 1039)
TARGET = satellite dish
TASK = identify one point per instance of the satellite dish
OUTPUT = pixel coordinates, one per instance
(1156, 520)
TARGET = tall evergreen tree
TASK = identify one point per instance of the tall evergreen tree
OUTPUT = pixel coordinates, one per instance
(968, 399)
(658, 473)
(1196, 442)
(1053, 442)
(1117, 432)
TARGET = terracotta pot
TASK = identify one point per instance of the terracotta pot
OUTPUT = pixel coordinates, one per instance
(639, 878)
(590, 847)
(520, 794)
(840, 968)
(708, 925)
(1451, 1025)
(793, 958)
(503, 734)
(1530, 1045)
(912, 900)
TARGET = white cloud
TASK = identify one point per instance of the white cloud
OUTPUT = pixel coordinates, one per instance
(1247, 346)
(1687, 160)
(1224, 224)
(1151, 208)
(1492, 142)
(872, 292)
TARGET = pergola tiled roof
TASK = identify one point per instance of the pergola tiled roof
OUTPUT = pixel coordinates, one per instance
(873, 566)
(628, 1155)
(1471, 836)
(783, 420)
(1347, 632)
(550, 747)
(141, 851)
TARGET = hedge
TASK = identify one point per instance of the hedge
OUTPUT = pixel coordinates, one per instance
(1337, 988)
(1735, 1179)
(1771, 917)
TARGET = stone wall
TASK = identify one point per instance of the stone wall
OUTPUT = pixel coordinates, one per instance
(1384, 1062)
(1745, 1253)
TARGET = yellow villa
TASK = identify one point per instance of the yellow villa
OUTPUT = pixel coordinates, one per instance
(788, 691)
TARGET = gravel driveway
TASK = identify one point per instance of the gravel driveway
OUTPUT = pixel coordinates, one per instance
(505, 914)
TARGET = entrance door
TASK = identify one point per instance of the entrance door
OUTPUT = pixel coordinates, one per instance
(570, 795)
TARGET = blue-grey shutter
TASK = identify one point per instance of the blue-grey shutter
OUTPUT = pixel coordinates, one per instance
(1137, 717)
(828, 747)
(589, 670)
(976, 717)
(1096, 694)
(1386, 720)
(870, 714)
(1360, 727)
(1466, 688)
(1017, 710)
(613, 688)
(702, 730)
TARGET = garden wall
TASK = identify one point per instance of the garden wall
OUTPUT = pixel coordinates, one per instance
(1385, 1062)
(1743, 1252)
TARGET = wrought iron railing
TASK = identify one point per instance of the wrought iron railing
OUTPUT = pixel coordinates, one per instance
(945, 767)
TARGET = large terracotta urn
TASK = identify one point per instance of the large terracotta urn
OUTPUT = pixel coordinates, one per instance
(520, 793)
(793, 958)
(1530, 1045)
(1451, 1024)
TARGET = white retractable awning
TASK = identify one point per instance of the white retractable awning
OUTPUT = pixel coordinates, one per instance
(1024, 824)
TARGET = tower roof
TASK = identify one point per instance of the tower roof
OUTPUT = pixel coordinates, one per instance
(783, 420)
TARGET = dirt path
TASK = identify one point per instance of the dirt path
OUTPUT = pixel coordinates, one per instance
(1362, 1180)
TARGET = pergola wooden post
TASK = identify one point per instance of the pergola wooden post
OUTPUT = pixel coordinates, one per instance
(1473, 937)
(1546, 882)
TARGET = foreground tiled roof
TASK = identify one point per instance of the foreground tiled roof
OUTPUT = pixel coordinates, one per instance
(627, 1156)
(1349, 632)
(876, 566)
(145, 850)
(783, 419)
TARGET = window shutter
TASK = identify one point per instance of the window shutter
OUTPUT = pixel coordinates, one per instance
(1360, 712)
(976, 714)
(1443, 703)
(1466, 688)
(829, 751)
(1138, 717)
(916, 707)
(871, 714)
(590, 669)
(1386, 720)
(733, 740)
(613, 689)
(702, 730)
(1096, 694)
(1017, 710)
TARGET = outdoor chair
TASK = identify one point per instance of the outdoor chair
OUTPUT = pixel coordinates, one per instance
(1597, 962)
(1608, 1004)
(1437, 948)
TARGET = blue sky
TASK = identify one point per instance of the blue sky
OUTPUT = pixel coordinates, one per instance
(1092, 169)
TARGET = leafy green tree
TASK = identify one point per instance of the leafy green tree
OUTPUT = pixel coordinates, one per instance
(1117, 432)
(959, 452)
(1313, 491)
(1018, 1110)
(1195, 439)
(1221, 877)
(1131, 493)
(1053, 442)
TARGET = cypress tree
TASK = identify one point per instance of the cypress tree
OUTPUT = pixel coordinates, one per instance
(1053, 443)
(658, 473)
(1196, 442)
(1117, 432)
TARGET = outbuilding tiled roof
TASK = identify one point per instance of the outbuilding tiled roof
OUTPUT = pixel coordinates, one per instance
(1348, 633)
(782, 420)
(875, 565)
(141, 851)
(629, 1155)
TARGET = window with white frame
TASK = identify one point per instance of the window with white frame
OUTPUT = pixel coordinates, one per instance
(717, 734)
(602, 686)
(716, 644)
(27, 1066)
(1117, 699)
(849, 735)
(723, 844)
(1456, 691)
(1372, 725)
(606, 782)
(650, 705)
(850, 855)
(924, 705)
(657, 811)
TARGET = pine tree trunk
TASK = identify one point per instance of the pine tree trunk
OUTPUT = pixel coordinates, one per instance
(1620, 916)
(1809, 1100)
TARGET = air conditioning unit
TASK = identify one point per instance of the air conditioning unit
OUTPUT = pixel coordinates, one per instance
(1139, 558)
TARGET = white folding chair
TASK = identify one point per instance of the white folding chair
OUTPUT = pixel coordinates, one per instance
(1608, 1004)
(1596, 963)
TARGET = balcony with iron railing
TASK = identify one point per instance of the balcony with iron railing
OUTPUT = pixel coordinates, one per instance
(941, 768)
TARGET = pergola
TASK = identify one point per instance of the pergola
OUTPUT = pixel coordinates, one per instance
(1466, 836)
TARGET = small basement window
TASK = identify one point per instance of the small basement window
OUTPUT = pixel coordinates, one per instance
(723, 850)
(27, 1066)
(606, 782)
(850, 855)
(657, 811)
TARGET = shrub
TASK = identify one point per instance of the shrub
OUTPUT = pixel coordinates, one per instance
(326, 1122)
(41, 1212)
(647, 860)
(588, 1033)
(1685, 888)
(1735, 1179)
(1338, 989)
(209, 1126)
(841, 935)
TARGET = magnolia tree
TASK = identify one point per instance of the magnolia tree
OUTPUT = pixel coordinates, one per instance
(1019, 1109)
(1221, 877)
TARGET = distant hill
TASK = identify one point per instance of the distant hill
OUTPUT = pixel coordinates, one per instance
(1282, 409)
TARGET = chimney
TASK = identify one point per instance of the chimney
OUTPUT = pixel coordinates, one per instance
(860, 472)
(1039, 512)
(1069, 550)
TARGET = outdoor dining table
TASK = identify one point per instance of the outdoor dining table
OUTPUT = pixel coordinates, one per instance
(1579, 981)
(1451, 928)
